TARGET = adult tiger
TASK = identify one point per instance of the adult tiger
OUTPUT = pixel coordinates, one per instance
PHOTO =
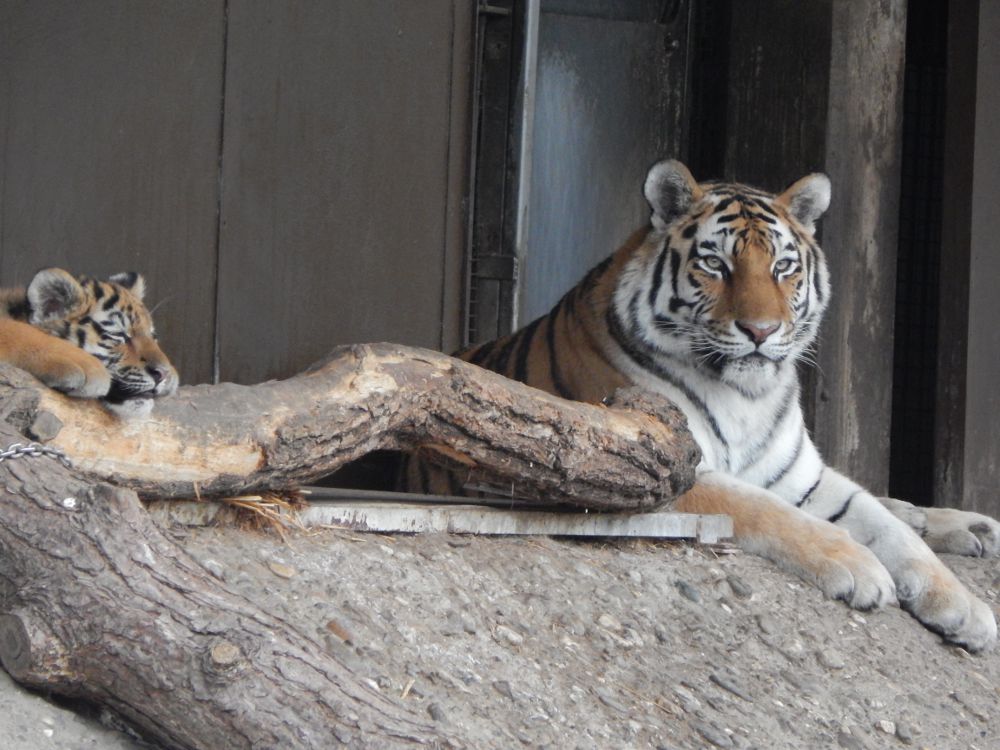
(712, 306)
(87, 338)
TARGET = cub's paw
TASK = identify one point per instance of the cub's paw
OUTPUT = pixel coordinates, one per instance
(932, 594)
(79, 378)
(962, 532)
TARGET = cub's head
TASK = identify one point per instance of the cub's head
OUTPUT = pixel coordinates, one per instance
(735, 282)
(108, 320)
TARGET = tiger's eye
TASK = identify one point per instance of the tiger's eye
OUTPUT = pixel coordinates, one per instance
(784, 265)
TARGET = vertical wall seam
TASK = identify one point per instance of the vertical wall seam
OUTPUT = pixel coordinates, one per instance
(446, 222)
(220, 186)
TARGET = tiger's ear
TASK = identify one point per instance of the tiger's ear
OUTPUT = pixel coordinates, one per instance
(670, 190)
(807, 199)
(54, 293)
(131, 281)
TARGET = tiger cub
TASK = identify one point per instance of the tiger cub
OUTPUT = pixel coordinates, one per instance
(712, 305)
(87, 338)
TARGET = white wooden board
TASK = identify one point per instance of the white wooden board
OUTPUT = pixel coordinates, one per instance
(402, 517)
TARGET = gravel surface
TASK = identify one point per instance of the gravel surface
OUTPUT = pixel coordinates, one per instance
(549, 643)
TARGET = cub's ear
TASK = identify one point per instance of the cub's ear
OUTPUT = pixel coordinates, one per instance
(54, 293)
(670, 190)
(131, 281)
(807, 199)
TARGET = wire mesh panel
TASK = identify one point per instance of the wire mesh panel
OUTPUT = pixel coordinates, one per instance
(916, 333)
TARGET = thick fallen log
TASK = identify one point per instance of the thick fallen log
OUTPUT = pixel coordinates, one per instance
(229, 439)
(96, 603)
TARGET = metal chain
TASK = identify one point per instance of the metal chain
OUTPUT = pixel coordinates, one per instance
(17, 450)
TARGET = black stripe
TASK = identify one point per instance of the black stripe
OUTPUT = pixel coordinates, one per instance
(558, 384)
(805, 498)
(840, 513)
(654, 289)
(645, 361)
(479, 355)
(111, 301)
(762, 205)
(593, 275)
(762, 443)
(795, 457)
(675, 269)
(501, 358)
(19, 309)
(524, 349)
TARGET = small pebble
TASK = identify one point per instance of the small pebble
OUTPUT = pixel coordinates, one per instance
(740, 588)
(830, 658)
(503, 687)
(904, 732)
(713, 735)
(281, 570)
(884, 725)
(609, 622)
(661, 633)
(849, 742)
(215, 568)
(436, 712)
(726, 683)
(767, 623)
(509, 635)
(688, 591)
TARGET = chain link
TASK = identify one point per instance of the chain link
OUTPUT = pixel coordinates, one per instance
(33, 450)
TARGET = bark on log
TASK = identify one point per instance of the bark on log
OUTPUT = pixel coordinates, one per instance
(97, 604)
(228, 439)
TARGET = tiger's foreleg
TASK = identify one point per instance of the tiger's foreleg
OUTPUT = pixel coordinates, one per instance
(925, 587)
(57, 363)
(816, 551)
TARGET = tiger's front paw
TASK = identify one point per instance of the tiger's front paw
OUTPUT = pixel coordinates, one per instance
(851, 572)
(962, 532)
(932, 594)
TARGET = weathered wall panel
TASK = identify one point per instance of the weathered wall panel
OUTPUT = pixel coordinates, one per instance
(110, 123)
(853, 399)
(339, 200)
(982, 406)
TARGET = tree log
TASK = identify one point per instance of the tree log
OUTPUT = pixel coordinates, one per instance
(229, 439)
(98, 604)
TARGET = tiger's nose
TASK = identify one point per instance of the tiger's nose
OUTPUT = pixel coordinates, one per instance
(157, 373)
(757, 331)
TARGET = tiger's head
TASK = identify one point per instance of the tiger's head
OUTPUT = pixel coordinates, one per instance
(734, 281)
(109, 320)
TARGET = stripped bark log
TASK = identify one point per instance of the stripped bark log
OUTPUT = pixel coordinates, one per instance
(229, 439)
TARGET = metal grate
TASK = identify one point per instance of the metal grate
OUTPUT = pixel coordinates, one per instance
(911, 463)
